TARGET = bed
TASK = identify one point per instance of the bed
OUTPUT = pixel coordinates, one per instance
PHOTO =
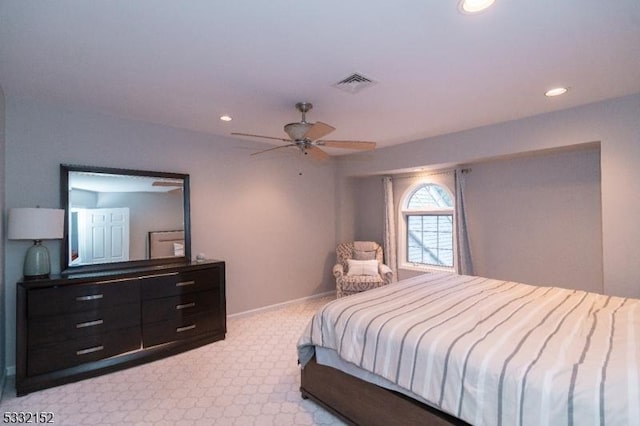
(166, 244)
(458, 349)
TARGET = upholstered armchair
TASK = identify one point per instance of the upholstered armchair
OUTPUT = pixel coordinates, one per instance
(367, 270)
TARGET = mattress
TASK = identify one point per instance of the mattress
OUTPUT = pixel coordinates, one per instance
(492, 352)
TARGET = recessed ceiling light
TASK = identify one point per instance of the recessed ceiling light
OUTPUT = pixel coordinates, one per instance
(556, 92)
(474, 6)
(226, 118)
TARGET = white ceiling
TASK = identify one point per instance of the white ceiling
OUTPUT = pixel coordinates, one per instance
(185, 63)
(105, 182)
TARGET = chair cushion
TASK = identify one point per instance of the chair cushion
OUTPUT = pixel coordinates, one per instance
(361, 282)
(362, 267)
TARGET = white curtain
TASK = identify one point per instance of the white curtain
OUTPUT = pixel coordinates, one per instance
(464, 265)
(389, 245)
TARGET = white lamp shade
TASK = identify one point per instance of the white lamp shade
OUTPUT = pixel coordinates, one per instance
(35, 224)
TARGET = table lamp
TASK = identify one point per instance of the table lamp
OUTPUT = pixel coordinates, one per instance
(36, 224)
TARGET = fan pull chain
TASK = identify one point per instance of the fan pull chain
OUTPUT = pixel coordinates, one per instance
(301, 163)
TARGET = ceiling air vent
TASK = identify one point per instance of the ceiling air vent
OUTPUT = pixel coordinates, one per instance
(354, 83)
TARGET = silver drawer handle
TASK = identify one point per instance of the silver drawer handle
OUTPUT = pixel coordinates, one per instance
(185, 328)
(89, 323)
(159, 275)
(184, 283)
(186, 305)
(90, 350)
(118, 280)
(90, 297)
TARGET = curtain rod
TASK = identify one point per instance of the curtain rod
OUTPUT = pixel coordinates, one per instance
(426, 174)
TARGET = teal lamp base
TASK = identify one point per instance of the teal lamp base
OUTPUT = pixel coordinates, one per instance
(37, 264)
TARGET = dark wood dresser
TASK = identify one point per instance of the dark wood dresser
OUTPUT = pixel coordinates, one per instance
(73, 327)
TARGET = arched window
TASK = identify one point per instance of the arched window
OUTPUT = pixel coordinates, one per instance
(428, 218)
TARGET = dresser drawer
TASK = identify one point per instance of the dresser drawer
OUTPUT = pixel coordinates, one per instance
(178, 307)
(67, 354)
(181, 328)
(173, 284)
(82, 297)
(59, 328)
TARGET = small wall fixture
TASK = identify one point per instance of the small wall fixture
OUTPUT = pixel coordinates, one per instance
(36, 224)
(226, 118)
(474, 6)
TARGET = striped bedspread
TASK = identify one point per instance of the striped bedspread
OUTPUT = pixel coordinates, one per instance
(493, 352)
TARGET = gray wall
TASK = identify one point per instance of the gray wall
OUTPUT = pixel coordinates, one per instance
(538, 220)
(534, 219)
(274, 228)
(369, 205)
(614, 123)
(3, 326)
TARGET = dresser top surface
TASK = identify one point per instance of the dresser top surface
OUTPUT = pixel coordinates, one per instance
(70, 279)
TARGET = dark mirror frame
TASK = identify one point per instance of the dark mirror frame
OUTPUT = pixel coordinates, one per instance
(65, 268)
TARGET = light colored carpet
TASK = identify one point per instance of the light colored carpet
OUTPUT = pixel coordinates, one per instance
(250, 378)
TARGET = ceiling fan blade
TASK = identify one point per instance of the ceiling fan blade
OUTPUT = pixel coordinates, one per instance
(260, 136)
(318, 130)
(166, 183)
(316, 152)
(277, 147)
(362, 145)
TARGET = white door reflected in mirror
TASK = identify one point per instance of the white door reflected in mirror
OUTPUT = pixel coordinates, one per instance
(99, 236)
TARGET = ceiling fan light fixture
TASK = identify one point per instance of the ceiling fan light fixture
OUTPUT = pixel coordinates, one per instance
(470, 7)
(297, 131)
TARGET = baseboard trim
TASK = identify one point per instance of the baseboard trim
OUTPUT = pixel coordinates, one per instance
(280, 305)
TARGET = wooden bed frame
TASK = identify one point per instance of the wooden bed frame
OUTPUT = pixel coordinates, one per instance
(362, 403)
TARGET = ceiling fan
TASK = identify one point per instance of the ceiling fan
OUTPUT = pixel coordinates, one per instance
(307, 137)
(177, 186)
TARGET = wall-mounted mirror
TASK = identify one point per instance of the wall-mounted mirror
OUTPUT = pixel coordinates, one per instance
(120, 218)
